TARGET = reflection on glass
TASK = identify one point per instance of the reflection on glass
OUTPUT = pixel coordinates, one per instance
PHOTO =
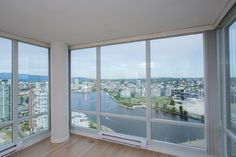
(32, 126)
(231, 148)
(185, 135)
(83, 79)
(83, 120)
(5, 135)
(123, 73)
(33, 80)
(177, 84)
(123, 126)
(5, 80)
(232, 75)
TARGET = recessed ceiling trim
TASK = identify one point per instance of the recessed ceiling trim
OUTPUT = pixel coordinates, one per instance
(226, 9)
(24, 39)
(185, 31)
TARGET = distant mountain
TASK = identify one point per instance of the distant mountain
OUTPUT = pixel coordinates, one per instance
(24, 77)
(134, 79)
(82, 78)
(176, 78)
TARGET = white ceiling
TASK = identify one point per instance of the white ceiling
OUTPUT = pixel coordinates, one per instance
(86, 21)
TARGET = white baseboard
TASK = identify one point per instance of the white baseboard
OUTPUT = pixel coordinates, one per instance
(59, 140)
(85, 132)
(177, 150)
(35, 139)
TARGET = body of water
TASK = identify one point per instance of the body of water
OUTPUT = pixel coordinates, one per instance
(163, 132)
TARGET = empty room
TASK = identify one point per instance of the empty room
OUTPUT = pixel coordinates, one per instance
(109, 78)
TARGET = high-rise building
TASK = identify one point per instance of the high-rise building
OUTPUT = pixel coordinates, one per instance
(40, 100)
(38, 103)
(5, 100)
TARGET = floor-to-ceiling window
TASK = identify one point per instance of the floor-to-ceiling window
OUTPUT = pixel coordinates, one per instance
(83, 88)
(152, 89)
(6, 118)
(231, 89)
(123, 88)
(177, 90)
(24, 90)
(226, 43)
(33, 89)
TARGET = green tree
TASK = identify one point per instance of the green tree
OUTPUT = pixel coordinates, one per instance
(165, 106)
(27, 100)
(156, 104)
(21, 100)
(92, 125)
(181, 110)
(172, 102)
(173, 110)
(185, 113)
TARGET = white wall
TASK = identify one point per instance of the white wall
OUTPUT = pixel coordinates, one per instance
(59, 92)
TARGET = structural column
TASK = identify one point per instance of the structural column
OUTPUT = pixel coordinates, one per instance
(212, 114)
(59, 92)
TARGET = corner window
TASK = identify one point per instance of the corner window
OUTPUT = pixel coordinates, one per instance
(118, 89)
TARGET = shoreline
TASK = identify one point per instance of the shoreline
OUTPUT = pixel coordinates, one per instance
(143, 105)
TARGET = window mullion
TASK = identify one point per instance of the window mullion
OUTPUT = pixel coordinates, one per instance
(148, 90)
(98, 82)
(33, 116)
(15, 89)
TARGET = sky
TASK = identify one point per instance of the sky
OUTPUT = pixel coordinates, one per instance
(232, 49)
(5, 55)
(176, 57)
(32, 59)
(83, 63)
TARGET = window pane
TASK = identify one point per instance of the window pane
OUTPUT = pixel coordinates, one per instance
(5, 80)
(32, 126)
(83, 120)
(232, 78)
(233, 150)
(190, 136)
(123, 126)
(123, 85)
(83, 79)
(231, 147)
(33, 79)
(5, 135)
(177, 78)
